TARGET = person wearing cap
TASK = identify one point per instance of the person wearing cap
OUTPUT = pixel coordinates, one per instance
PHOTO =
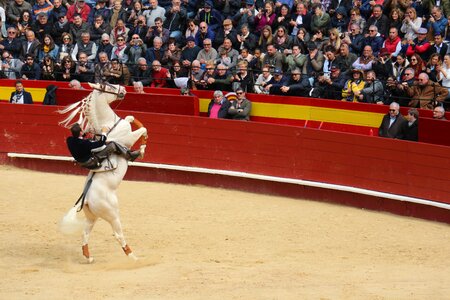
(411, 127)
(78, 8)
(42, 6)
(60, 27)
(439, 46)
(100, 9)
(278, 80)
(330, 87)
(190, 52)
(353, 86)
(246, 15)
(383, 65)
(420, 45)
(393, 44)
(210, 15)
(379, 19)
(241, 107)
(392, 126)
(226, 32)
(154, 11)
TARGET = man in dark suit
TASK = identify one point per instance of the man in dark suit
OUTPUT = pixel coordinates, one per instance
(439, 46)
(20, 96)
(393, 123)
(30, 46)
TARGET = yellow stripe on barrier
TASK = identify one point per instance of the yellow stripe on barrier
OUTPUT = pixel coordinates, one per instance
(310, 113)
(38, 94)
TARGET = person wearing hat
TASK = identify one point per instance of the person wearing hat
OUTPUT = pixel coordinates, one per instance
(353, 86)
(383, 65)
(278, 80)
(211, 16)
(190, 52)
(246, 15)
(59, 27)
(330, 87)
(100, 9)
(420, 45)
(226, 32)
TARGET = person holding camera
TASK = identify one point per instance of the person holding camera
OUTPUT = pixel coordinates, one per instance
(154, 11)
(330, 87)
(246, 15)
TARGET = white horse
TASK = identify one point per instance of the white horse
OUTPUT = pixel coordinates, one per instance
(94, 113)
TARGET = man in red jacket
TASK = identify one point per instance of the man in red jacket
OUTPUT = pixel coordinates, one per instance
(420, 45)
(159, 75)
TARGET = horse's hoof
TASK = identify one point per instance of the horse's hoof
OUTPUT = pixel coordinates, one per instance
(134, 257)
(89, 260)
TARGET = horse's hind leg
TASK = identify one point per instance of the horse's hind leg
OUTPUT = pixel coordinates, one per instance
(90, 221)
(118, 234)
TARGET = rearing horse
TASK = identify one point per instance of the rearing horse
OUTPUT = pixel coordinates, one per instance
(94, 113)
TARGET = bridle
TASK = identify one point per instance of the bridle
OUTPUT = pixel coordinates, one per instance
(102, 89)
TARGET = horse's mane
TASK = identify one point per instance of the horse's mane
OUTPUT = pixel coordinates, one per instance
(83, 108)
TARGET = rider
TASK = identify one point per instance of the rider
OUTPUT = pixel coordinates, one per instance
(90, 153)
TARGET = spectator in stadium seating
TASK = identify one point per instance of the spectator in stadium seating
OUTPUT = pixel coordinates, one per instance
(339, 7)
(382, 66)
(105, 46)
(141, 72)
(120, 30)
(218, 106)
(241, 107)
(15, 9)
(48, 48)
(282, 40)
(393, 44)
(330, 87)
(353, 86)
(314, 62)
(60, 28)
(354, 40)
(364, 62)
(246, 39)
(411, 24)
(98, 28)
(226, 32)
(77, 27)
(426, 94)
(191, 29)
(42, 6)
(179, 76)
(396, 89)
(443, 72)
(277, 81)
(84, 69)
(138, 87)
(207, 53)
(439, 113)
(48, 69)
(140, 28)
(75, 84)
(265, 17)
(203, 33)
(24, 24)
(266, 37)
(176, 17)
(339, 19)
(273, 58)
(320, 19)
(243, 78)
(189, 52)
(172, 54)
(30, 70)
(117, 73)
(295, 85)
(85, 45)
(373, 90)
(319, 38)
(437, 21)
(66, 71)
(330, 59)
(20, 96)
(11, 44)
(30, 46)
(41, 27)
(157, 31)
(101, 67)
(202, 83)
(118, 50)
(296, 59)
(78, 8)
(334, 39)
(399, 66)
(356, 19)
(100, 9)
(262, 80)
(417, 64)
(393, 123)
(210, 15)
(345, 59)
(373, 40)
(135, 49)
(229, 55)
(156, 52)
(411, 127)
(433, 64)
(246, 15)
(439, 46)
(227, 8)
(58, 10)
(159, 75)
(378, 19)
(154, 11)
(11, 66)
(222, 79)
(420, 45)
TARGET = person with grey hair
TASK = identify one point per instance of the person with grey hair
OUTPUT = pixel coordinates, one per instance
(218, 107)
(439, 113)
(85, 45)
(426, 94)
(75, 84)
(207, 53)
(141, 72)
(138, 87)
(392, 126)
(373, 90)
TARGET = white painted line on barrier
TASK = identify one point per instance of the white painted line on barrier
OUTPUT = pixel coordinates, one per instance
(331, 186)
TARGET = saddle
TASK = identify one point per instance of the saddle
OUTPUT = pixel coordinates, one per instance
(102, 161)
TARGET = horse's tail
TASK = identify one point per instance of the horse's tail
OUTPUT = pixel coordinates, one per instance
(72, 223)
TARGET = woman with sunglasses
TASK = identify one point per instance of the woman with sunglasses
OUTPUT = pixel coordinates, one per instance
(48, 68)
(65, 48)
(118, 50)
(417, 64)
(66, 70)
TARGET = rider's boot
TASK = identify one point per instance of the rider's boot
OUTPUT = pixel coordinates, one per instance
(132, 155)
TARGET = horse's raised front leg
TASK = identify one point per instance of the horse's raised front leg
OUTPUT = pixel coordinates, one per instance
(90, 222)
(139, 134)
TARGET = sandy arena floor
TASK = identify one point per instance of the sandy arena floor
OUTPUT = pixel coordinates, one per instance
(202, 243)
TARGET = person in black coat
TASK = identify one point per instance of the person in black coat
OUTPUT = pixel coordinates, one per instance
(296, 85)
(30, 70)
(218, 107)
(20, 96)
(393, 123)
(411, 128)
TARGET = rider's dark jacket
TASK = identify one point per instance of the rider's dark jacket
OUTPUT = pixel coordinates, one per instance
(81, 148)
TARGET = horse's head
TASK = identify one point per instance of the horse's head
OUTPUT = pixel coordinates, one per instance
(117, 91)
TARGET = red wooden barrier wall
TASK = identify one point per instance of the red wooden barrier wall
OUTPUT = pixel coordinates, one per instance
(400, 167)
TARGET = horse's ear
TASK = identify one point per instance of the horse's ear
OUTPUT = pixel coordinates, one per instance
(94, 85)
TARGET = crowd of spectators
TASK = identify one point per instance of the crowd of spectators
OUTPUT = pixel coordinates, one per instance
(350, 50)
